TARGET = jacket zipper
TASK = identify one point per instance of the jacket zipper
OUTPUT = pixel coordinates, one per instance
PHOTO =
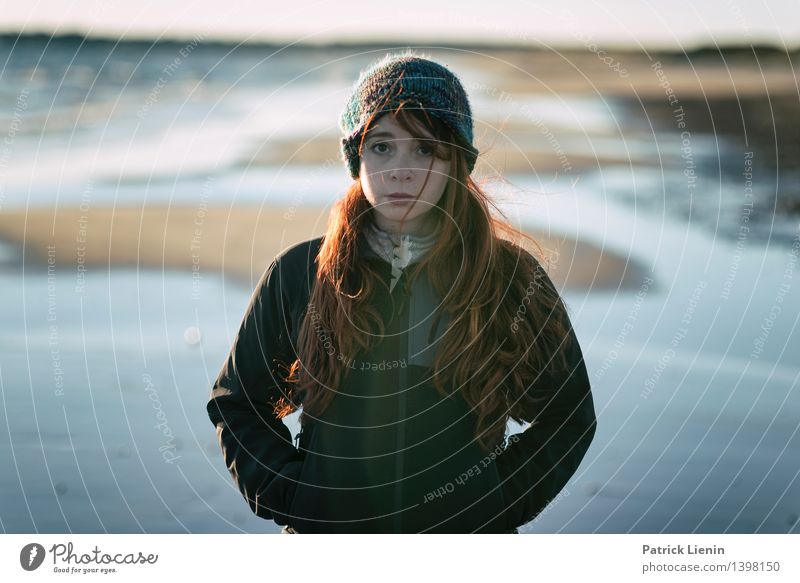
(401, 444)
(401, 416)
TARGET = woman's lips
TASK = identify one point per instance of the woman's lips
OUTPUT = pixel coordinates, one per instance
(400, 198)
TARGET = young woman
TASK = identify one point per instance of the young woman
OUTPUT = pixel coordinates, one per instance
(410, 333)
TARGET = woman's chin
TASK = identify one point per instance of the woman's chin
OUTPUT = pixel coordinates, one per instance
(396, 217)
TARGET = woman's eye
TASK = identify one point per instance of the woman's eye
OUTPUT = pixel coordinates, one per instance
(380, 148)
(426, 149)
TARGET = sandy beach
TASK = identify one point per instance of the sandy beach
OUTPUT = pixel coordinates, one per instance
(239, 242)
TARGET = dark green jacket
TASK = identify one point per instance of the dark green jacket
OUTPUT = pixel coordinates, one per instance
(389, 454)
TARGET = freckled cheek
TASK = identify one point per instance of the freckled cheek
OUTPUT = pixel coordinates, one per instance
(375, 171)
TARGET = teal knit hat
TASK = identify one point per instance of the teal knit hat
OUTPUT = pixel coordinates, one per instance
(385, 84)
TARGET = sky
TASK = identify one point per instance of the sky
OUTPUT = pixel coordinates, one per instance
(624, 23)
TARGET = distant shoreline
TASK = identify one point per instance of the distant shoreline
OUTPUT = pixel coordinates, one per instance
(695, 50)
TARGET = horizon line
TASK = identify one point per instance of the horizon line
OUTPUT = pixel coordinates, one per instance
(232, 40)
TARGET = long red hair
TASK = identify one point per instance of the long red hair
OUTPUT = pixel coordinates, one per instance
(507, 326)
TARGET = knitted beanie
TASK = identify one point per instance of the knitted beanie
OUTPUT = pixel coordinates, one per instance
(396, 78)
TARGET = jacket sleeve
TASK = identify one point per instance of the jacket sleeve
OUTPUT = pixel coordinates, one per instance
(539, 462)
(257, 445)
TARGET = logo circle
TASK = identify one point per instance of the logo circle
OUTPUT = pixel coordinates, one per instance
(31, 556)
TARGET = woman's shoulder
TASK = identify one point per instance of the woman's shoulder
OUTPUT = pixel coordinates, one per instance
(294, 264)
(304, 252)
(529, 272)
(516, 256)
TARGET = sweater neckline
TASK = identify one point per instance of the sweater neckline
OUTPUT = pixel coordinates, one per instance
(399, 251)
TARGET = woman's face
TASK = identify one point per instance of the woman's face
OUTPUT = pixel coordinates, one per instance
(395, 162)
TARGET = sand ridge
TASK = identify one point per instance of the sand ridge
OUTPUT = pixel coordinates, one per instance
(238, 242)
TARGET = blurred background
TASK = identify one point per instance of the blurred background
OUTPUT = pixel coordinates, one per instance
(154, 159)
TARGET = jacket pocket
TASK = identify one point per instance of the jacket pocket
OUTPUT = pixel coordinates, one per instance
(280, 490)
(487, 514)
(464, 497)
(307, 442)
(501, 519)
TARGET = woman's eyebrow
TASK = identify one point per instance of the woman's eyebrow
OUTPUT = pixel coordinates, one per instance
(387, 134)
(382, 134)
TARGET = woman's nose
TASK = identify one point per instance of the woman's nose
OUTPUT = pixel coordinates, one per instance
(402, 172)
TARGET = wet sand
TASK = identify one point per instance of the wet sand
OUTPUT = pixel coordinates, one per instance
(239, 242)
